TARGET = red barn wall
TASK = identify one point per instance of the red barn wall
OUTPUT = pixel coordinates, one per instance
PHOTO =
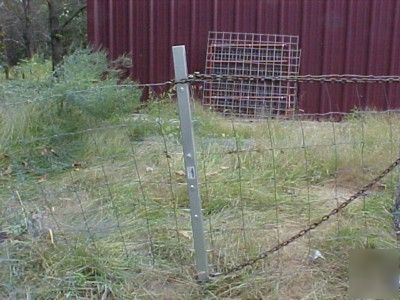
(336, 36)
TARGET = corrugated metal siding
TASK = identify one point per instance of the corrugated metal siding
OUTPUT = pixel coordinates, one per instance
(336, 36)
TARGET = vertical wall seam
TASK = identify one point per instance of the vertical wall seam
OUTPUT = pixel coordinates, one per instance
(320, 91)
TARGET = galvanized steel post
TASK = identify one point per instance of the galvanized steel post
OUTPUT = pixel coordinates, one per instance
(185, 115)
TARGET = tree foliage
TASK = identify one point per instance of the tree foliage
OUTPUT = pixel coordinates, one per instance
(27, 28)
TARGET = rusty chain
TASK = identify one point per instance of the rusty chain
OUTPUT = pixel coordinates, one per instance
(312, 226)
(327, 78)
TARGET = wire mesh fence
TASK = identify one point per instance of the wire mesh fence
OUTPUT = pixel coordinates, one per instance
(85, 211)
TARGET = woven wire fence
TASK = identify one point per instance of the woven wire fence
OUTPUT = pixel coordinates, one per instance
(116, 196)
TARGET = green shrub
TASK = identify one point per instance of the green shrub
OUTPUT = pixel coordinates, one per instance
(86, 93)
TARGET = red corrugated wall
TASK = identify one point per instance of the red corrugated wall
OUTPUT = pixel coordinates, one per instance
(336, 36)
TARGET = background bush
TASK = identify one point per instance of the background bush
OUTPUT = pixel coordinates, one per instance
(86, 93)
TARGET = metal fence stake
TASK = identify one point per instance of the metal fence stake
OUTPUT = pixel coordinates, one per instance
(185, 115)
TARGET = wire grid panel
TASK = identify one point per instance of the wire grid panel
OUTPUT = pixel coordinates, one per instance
(257, 55)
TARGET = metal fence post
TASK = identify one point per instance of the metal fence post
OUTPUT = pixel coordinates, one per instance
(185, 115)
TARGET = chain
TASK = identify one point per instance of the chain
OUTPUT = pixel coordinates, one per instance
(314, 225)
(329, 78)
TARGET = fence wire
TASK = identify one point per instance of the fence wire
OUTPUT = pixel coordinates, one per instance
(111, 200)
